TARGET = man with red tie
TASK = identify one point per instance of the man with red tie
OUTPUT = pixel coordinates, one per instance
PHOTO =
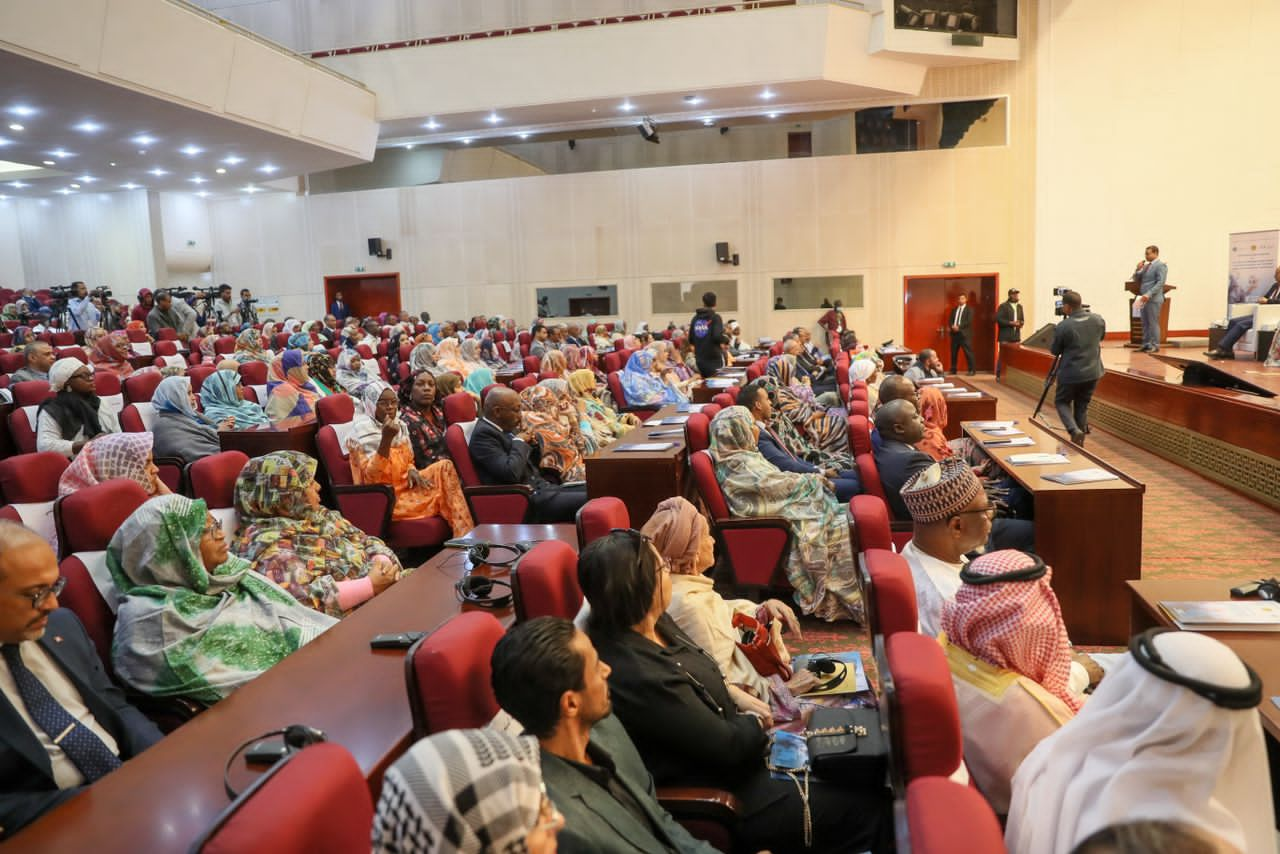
(960, 323)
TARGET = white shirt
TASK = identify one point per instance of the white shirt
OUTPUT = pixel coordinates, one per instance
(959, 314)
(707, 618)
(49, 434)
(46, 669)
(936, 582)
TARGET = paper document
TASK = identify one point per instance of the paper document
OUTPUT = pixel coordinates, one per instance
(934, 381)
(1037, 459)
(1093, 475)
(720, 382)
(1004, 431)
(674, 419)
(658, 434)
(1015, 442)
(1241, 615)
(647, 446)
(958, 394)
(690, 407)
(991, 425)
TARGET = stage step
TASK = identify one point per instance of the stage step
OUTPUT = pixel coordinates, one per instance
(1194, 343)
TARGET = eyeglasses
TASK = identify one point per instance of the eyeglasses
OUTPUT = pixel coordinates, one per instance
(44, 592)
(212, 527)
(989, 511)
(644, 538)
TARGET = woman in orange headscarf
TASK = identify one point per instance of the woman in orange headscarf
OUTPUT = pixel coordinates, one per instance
(111, 354)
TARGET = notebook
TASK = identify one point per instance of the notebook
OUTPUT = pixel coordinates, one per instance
(646, 446)
(1244, 615)
(1070, 478)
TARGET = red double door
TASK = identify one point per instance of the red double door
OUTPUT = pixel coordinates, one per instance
(928, 303)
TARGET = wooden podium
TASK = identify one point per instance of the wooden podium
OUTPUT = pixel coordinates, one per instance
(1135, 323)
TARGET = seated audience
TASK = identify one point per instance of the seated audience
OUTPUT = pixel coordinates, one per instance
(291, 399)
(192, 621)
(466, 790)
(314, 553)
(932, 404)
(867, 370)
(110, 456)
(820, 565)
(926, 365)
(553, 364)
(477, 381)
(1172, 734)
(74, 415)
(1146, 837)
(380, 452)
(423, 358)
(674, 702)
(549, 421)
(180, 431)
(354, 373)
(222, 397)
(146, 302)
(501, 457)
(469, 354)
(449, 357)
(66, 724)
(172, 314)
(683, 539)
(547, 675)
(111, 353)
(642, 386)
(821, 378)
(827, 432)
(900, 427)
(422, 412)
(834, 456)
(607, 424)
(755, 398)
(320, 371)
(539, 337)
(447, 383)
(40, 358)
(249, 348)
(1015, 674)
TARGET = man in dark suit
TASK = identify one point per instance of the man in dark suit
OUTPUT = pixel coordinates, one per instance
(501, 457)
(63, 724)
(547, 675)
(1240, 325)
(961, 326)
(1078, 340)
(900, 427)
(339, 309)
(755, 399)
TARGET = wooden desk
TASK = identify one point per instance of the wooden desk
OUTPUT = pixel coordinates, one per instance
(961, 409)
(887, 356)
(508, 375)
(258, 441)
(166, 797)
(703, 393)
(642, 479)
(1260, 650)
(1091, 534)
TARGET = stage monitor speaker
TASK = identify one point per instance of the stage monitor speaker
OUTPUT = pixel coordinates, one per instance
(375, 246)
(1203, 374)
(1041, 339)
(722, 252)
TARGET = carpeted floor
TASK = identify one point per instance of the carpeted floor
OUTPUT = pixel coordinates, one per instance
(1192, 527)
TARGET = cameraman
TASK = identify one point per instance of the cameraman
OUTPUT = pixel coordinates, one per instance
(1077, 339)
(171, 314)
(224, 310)
(248, 314)
(84, 314)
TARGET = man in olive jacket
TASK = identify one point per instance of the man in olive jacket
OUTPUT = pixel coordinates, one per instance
(1078, 340)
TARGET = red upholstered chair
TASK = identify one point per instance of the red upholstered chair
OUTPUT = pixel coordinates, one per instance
(316, 799)
(29, 486)
(859, 407)
(507, 503)
(459, 408)
(697, 432)
(253, 373)
(72, 353)
(611, 362)
(521, 383)
(403, 370)
(545, 582)
(757, 547)
(140, 387)
(6, 339)
(599, 516)
(755, 370)
(64, 339)
(404, 352)
(22, 428)
(858, 391)
(924, 722)
(136, 336)
(531, 364)
(166, 334)
(869, 524)
(619, 344)
(30, 393)
(620, 399)
(165, 347)
(10, 362)
(888, 592)
(776, 349)
(365, 351)
(280, 341)
(710, 410)
(224, 345)
(484, 392)
(859, 435)
(335, 409)
(449, 677)
(198, 374)
(106, 384)
(524, 338)
(946, 817)
(213, 479)
(725, 399)
(869, 475)
(137, 417)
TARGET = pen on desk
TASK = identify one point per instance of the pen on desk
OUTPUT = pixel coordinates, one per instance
(991, 442)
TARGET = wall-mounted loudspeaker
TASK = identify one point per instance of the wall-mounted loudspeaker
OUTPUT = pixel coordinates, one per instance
(375, 246)
(722, 252)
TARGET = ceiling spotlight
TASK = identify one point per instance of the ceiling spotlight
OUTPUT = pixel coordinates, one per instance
(48, 163)
(708, 121)
(112, 163)
(220, 171)
(143, 140)
(523, 135)
(768, 95)
(158, 172)
(129, 186)
(22, 110)
(432, 124)
(204, 194)
(60, 153)
(4, 198)
(626, 106)
(75, 186)
(232, 160)
(773, 115)
(251, 189)
(16, 126)
(88, 127)
(191, 150)
(692, 100)
(4, 142)
(18, 184)
(86, 179)
(197, 180)
(648, 129)
(466, 140)
(493, 118)
(64, 192)
(408, 146)
(269, 168)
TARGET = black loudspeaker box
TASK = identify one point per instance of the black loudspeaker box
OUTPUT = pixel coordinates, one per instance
(375, 245)
(722, 252)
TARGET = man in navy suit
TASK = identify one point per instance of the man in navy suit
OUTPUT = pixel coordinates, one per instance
(339, 308)
(1151, 275)
(63, 724)
(755, 399)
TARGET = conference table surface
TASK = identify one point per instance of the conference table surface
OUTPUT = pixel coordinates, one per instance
(1260, 650)
(965, 402)
(643, 479)
(162, 800)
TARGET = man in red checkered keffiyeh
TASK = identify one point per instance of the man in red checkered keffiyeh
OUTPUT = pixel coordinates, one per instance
(1014, 625)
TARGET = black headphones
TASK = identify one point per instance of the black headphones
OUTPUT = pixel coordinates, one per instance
(1144, 651)
(479, 590)
(296, 737)
(833, 668)
(1028, 573)
(483, 552)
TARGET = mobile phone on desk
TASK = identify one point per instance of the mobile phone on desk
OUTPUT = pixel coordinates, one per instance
(398, 640)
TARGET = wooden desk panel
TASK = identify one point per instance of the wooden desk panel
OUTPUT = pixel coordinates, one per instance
(166, 797)
(642, 479)
(1091, 534)
(1260, 650)
(258, 441)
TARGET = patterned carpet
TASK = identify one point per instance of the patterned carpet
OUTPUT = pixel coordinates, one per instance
(1191, 528)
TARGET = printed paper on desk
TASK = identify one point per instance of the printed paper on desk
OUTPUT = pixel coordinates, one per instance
(646, 446)
(991, 425)
(1016, 442)
(1093, 475)
(959, 394)
(1004, 431)
(690, 407)
(1037, 459)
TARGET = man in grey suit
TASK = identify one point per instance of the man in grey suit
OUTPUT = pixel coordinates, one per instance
(1150, 275)
(1078, 340)
(547, 675)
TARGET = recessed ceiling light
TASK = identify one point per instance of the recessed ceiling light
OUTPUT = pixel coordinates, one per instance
(708, 121)
(4, 142)
(493, 118)
(408, 146)
(191, 150)
(86, 179)
(220, 171)
(626, 106)
(16, 126)
(75, 186)
(60, 153)
(158, 172)
(129, 186)
(204, 194)
(692, 100)
(232, 160)
(23, 110)
(466, 140)
(197, 180)
(88, 127)
(432, 124)
(269, 168)
(4, 198)
(251, 189)
(143, 140)
(112, 163)
(64, 191)
(48, 163)
(18, 184)
(523, 135)
(768, 95)
(773, 115)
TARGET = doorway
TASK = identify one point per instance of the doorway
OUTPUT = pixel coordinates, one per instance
(366, 294)
(927, 303)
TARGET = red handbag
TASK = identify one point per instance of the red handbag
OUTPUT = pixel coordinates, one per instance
(755, 639)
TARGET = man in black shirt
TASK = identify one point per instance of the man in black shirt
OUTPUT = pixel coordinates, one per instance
(1240, 325)
(705, 330)
(1077, 339)
(547, 675)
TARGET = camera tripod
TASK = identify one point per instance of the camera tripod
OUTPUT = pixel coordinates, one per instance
(1048, 381)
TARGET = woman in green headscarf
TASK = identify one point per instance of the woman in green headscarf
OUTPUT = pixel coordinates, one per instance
(314, 553)
(193, 621)
(478, 380)
(820, 566)
(223, 398)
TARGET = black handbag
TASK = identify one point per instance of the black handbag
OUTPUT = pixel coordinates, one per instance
(847, 746)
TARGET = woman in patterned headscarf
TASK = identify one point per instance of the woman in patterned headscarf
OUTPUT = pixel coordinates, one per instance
(249, 348)
(546, 420)
(320, 370)
(381, 452)
(449, 357)
(820, 565)
(423, 358)
(607, 424)
(469, 351)
(111, 456)
(642, 387)
(354, 373)
(553, 364)
(193, 621)
(291, 398)
(827, 433)
(111, 354)
(314, 553)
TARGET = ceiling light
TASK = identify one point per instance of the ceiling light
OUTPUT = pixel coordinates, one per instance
(75, 186)
(112, 163)
(86, 179)
(4, 142)
(191, 150)
(48, 163)
(523, 135)
(432, 124)
(466, 140)
(269, 168)
(708, 120)
(768, 95)
(143, 140)
(220, 171)
(158, 172)
(692, 100)
(60, 153)
(251, 189)
(18, 184)
(142, 151)
(204, 194)
(22, 110)
(197, 180)
(16, 126)
(626, 106)
(64, 192)
(408, 146)
(4, 198)
(232, 160)
(773, 115)
(129, 186)
(493, 118)
(88, 127)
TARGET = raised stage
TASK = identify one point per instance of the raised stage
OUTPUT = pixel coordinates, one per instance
(1228, 436)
